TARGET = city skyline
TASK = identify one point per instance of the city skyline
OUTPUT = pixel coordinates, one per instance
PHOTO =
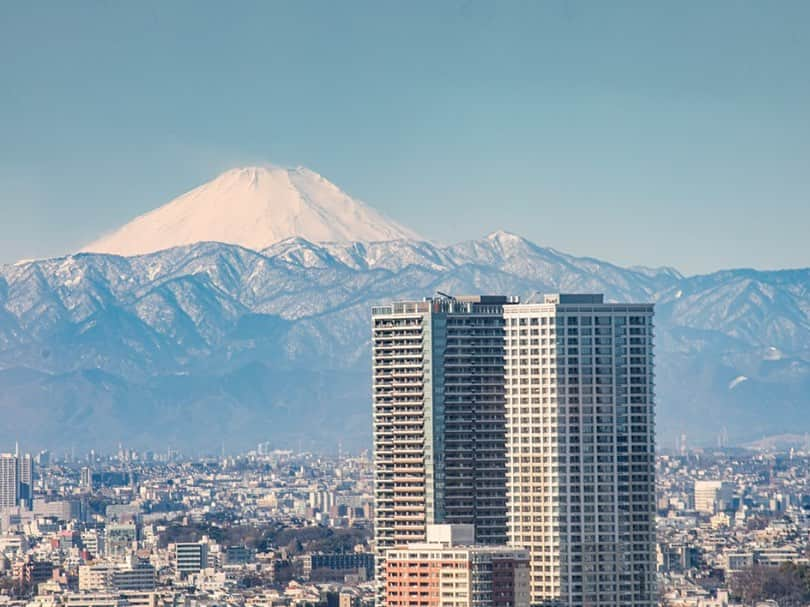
(148, 530)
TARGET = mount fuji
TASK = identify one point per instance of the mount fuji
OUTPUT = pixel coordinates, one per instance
(254, 207)
(240, 311)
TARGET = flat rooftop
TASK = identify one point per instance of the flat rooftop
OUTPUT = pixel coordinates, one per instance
(574, 298)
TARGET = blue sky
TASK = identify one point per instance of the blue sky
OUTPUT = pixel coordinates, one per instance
(638, 132)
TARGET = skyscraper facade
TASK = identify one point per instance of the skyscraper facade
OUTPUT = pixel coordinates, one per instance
(580, 449)
(16, 480)
(439, 423)
(26, 491)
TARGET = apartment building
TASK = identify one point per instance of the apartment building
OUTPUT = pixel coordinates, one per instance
(448, 570)
(439, 423)
(580, 448)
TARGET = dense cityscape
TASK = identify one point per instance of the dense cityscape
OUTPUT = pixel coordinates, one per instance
(278, 528)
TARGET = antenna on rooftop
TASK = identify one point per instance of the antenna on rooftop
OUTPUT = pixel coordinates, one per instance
(445, 295)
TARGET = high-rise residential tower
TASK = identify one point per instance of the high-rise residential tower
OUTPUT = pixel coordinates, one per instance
(580, 449)
(9, 481)
(439, 423)
(26, 472)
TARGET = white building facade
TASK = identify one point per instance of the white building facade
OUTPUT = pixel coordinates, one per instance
(9, 481)
(580, 449)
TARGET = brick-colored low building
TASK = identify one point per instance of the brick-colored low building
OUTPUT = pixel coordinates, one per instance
(450, 571)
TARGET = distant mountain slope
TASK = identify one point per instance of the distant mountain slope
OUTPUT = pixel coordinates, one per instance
(254, 207)
(207, 341)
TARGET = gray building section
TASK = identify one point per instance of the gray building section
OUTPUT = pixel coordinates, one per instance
(439, 424)
(190, 557)
(26, 492)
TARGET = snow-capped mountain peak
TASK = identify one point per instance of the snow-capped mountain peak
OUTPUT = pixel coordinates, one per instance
(501, 235)
(254, 207)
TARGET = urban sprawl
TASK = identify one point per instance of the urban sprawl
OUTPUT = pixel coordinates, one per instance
(513, 464)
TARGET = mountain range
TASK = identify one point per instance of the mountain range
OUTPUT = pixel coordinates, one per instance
(240, 313)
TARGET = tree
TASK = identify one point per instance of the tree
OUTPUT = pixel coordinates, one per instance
(788, 585)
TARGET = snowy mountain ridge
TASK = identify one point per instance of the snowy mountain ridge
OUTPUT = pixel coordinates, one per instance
(242, 309)
(169, 345)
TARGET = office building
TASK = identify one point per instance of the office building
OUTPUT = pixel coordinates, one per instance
(190, 557)
(580, 449)
(449, 571)
(709, 495)
(439, 425)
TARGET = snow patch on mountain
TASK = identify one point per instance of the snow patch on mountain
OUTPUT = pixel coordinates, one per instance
(773, 353)
(737, 381)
